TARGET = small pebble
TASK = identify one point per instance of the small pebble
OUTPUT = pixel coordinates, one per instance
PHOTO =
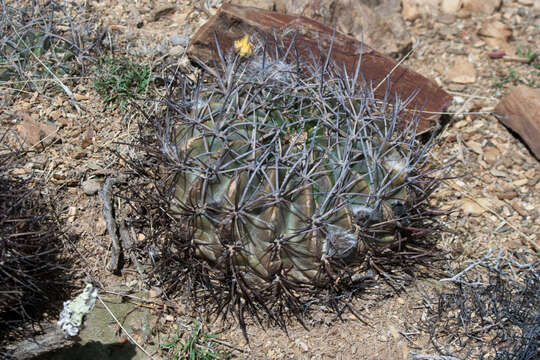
(91, 186)
(176, 50)
(459, 99)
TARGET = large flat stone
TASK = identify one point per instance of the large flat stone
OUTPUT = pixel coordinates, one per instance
(312, 38)
(520, 111)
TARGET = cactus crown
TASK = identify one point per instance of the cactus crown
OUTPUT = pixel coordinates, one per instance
(285, 174)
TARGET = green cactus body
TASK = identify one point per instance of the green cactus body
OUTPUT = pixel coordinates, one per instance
(280, 176)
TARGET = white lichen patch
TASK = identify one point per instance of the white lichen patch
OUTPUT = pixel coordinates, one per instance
(72, 316)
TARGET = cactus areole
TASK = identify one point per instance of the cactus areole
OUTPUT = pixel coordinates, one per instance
(287, 168)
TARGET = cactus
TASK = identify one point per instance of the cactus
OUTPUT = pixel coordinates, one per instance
(285, 174)
(30, 271)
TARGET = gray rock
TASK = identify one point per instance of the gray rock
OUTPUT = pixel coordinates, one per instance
(179, 39)
(91, 186)
(176, 50)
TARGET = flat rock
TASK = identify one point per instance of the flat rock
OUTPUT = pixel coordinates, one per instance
(379, 23)
(409, 10)
(34, 133)
(312, 38)
(264, 4)
(447, 19)
(520, 111)
(179, 40)
(495, 29)
(463, 72)
(381, 26)
(451, 6)
(491, 155)
(475, 207)
(414, 9)
(176, 50)
(482, 6)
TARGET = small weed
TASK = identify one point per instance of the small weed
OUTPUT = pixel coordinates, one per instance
(198, 346)
(499, 82)
(527, 54)
(531, 56)
(120, 80)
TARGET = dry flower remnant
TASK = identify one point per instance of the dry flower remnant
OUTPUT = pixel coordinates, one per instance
(281, 181)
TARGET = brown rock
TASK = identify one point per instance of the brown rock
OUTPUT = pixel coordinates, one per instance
(320, 10)
(413, 9)
(409, 10)
(463, 72)
(34, 133)
(87, 138)
(162, 11)
(482, 6)
(381, 26)
(261, 4)
(520, 111)
(518, 207)
(451, 6)
(447, 19)
(475, 146)
(475, 207)
(456, 87)
(495, 29)
(80, 97)
(491, 155)
(507, 195)
(313, 38)
(378, 23)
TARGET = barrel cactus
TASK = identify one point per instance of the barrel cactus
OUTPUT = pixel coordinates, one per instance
(285, 174)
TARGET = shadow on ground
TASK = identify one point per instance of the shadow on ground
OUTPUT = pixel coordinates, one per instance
(92, 351)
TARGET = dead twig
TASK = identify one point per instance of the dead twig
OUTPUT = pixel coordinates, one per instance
(105, 194)
(127, 244)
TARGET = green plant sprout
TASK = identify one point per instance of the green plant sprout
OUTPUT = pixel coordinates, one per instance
(198, 346)
(531, 56)
(120, 80)
(512, 77)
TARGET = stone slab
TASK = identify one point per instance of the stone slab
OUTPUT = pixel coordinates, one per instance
(311, 38)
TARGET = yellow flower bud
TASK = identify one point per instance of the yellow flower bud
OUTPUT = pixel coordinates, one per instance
(243, 46)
